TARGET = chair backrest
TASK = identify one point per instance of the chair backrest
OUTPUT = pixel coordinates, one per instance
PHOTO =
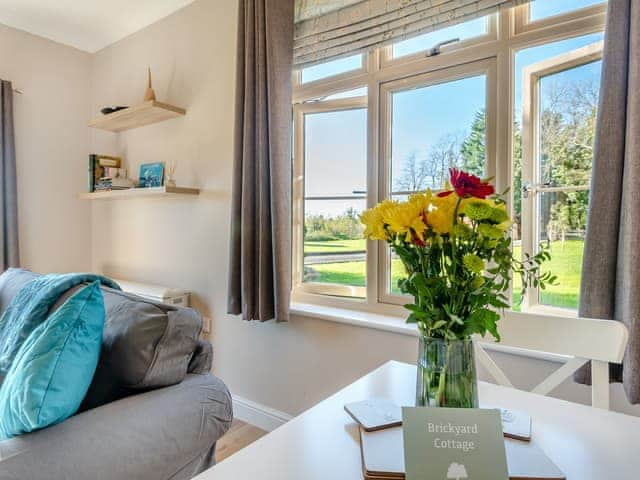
(583, 339)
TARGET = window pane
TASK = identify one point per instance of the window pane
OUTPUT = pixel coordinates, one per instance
(463, 31)
(334, 250)
(567, 116)
(434, 128)
(562, 220)
(356, 92)
(547, 8)
(565, 128)
(335, 166)
(523, 59)
(335, 151)
(329, 69)
(566, 119)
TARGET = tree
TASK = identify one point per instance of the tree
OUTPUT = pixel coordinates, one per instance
(457, 471)
(517, 181)
(431, 170)
(473, 149)
(414, 174)
(567, 126)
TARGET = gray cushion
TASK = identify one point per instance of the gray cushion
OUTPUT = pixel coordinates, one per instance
(202, 359)
(145, 345)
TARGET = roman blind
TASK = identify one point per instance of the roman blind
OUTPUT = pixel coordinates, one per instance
(329, 29)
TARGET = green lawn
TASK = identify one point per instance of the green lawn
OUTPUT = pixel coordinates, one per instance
(335, 246)
(566, 263)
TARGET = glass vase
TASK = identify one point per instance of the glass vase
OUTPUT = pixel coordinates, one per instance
(446, 374)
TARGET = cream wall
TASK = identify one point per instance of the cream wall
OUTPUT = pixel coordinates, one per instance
(51, 149)
(184, 242)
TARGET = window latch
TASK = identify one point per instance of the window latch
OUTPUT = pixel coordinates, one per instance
(528, 187)
(435, 50)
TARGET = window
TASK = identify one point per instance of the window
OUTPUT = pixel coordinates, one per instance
(462, 31)
(437, 121)
(331, 69)
(335, 178)
(541, 9)
(392, 122)
(560, 98)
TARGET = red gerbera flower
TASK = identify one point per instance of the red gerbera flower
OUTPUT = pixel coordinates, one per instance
(466, 185)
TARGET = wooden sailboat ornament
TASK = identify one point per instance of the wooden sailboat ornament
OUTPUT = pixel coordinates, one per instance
(149, 95)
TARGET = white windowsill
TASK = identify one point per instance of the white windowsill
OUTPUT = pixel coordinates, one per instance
(388, 323)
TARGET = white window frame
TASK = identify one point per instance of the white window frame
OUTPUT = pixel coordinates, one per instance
(530, 151)
(524, 24)
(486, 67)
(298, 186)
(511, 32)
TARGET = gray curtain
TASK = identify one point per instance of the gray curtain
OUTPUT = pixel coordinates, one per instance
(8, 184)
(260, 254)
(611, 269)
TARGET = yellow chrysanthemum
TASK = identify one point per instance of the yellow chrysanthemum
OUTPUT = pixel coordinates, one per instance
(441, 221)
(403, 218)
(374, 226)
(373, 220)
(421, 201)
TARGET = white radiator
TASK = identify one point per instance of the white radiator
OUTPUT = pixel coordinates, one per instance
(156, 293)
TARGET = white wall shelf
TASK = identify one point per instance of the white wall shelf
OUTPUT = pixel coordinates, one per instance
(137, 116)
(147, 192)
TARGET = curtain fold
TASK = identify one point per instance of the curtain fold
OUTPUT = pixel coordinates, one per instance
(343, 27)
(610, 286)
(8, 182)
(260, 253)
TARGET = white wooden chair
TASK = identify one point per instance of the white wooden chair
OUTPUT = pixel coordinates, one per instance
(583, 339)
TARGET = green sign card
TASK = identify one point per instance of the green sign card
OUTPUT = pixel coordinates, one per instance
(453, 444)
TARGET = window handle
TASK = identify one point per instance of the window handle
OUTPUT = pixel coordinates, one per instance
(528, 187)
(436, 48)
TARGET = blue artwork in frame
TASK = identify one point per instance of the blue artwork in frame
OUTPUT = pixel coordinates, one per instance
(151, 174)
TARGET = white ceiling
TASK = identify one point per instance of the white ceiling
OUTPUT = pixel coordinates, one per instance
(88, 25)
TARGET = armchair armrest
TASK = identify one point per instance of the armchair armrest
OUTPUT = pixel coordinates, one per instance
(167, 433)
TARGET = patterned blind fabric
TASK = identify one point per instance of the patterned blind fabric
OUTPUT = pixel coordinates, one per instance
(328, 29)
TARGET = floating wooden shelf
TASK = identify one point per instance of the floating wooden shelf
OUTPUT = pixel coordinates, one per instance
(137, 116)
(140, 193)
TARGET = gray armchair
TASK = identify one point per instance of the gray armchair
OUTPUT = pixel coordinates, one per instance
(153, 411)
(168, 433)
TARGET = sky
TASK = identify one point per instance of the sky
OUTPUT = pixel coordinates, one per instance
(335, 153)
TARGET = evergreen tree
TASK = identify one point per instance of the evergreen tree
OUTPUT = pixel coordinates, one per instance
(473, 149)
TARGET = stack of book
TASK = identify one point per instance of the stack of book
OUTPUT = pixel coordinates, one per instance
(103, 174)
(113, 183)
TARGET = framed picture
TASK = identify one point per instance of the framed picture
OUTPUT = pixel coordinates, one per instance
(151, 174)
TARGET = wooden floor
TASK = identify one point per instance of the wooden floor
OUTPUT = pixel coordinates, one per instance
(239, 436)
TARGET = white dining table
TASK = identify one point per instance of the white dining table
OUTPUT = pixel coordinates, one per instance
(586, 443)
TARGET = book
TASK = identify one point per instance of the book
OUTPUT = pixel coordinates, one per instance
(92, 172)
(109, 161)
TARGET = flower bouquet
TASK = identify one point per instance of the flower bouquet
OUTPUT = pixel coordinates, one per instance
(456, 250)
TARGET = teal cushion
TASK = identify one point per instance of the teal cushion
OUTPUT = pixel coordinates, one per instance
(54, 367)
